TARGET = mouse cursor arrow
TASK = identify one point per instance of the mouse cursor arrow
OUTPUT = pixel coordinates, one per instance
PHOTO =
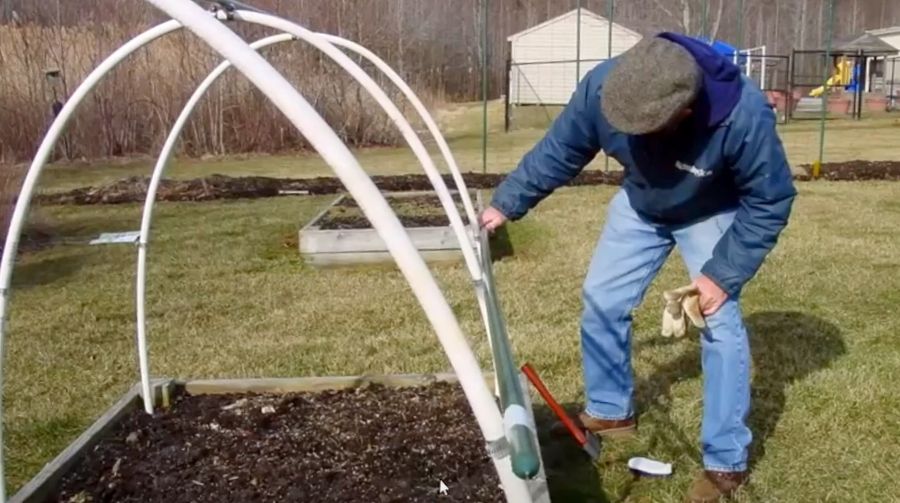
(443, 489)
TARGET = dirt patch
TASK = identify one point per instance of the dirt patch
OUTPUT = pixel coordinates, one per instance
(413, 211)
(374, 444)
(856, 171)
(132, 190)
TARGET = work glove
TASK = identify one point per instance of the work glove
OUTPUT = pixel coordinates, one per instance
(681, 301)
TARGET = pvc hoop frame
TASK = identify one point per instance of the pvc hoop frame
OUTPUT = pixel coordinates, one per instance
(389, 107)
(325, 141)
(467, 245)
(23, 202)
(415, 144)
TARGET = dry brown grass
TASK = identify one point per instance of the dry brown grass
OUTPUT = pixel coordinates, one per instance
(10, 180)
(132, 109)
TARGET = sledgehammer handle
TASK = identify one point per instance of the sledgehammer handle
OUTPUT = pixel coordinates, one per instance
(554, 405)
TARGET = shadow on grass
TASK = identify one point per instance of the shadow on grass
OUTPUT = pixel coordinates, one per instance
(501, 245)
(47, 270)
(571, 476)
(785, 346)
(653, 396)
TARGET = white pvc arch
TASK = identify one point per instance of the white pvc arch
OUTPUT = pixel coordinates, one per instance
(325, 141)
(14, 233)
(389, 107)
(423, 113)
(467, 244)
(147, 216)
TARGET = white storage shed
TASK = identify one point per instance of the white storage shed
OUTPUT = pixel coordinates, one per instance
(542, 67)
(887, 76)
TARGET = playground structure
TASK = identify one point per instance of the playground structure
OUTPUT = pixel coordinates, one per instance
(845, 75)
(842, 79)
(508, 430)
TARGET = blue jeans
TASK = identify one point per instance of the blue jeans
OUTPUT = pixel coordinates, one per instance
(629, 254)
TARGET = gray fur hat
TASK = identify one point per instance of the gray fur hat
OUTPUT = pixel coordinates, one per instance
(649, 85)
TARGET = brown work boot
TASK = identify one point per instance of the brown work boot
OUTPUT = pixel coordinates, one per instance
(711, 486)
(605, 428)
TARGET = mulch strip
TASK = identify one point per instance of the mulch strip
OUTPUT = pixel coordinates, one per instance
(131, 190)
(134, 189)
(373, 444)
(856, 171)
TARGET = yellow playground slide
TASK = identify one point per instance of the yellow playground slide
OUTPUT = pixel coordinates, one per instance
(841, 77)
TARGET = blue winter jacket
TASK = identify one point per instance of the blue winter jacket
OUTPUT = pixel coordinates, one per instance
(726, 156)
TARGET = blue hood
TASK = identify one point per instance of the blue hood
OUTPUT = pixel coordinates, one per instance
(721, 80)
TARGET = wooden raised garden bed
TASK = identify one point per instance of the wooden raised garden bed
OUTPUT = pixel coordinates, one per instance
(342, 235)
(330, 439)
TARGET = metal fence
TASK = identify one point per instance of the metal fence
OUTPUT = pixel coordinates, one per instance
(549, 84)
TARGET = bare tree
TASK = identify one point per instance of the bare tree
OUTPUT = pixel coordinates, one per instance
(435, 44)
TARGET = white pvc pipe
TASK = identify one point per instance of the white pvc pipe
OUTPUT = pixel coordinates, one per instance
(170, 143)
(172, 139)
(762, 78)
(147, 216)
(448, 158)
(467, 244)
(34, 171)
(423, 113)
(412, 139)
(374, 206)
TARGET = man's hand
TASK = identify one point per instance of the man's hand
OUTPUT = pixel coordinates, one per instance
(711, 296)
(491, 219)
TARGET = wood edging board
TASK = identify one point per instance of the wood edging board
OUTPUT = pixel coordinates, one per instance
(45, 483)
(337, 247)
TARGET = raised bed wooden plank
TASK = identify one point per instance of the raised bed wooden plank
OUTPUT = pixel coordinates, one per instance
(364, 240)
(342, 247)
(314, 223)
(310, 384)
(374, 258)
(45, 483)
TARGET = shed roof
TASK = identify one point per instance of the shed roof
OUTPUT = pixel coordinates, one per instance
(563, 17)
(868, 43)
(891, 30)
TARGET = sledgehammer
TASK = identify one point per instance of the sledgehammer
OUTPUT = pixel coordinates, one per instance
(585, 439)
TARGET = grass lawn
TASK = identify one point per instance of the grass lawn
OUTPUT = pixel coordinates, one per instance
(229, 297)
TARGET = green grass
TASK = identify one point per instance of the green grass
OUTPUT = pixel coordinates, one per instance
(229, 297)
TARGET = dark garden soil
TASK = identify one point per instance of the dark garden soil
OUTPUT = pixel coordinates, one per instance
(857, 170)
(413, 211)
(131, 190)
(374, 444)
